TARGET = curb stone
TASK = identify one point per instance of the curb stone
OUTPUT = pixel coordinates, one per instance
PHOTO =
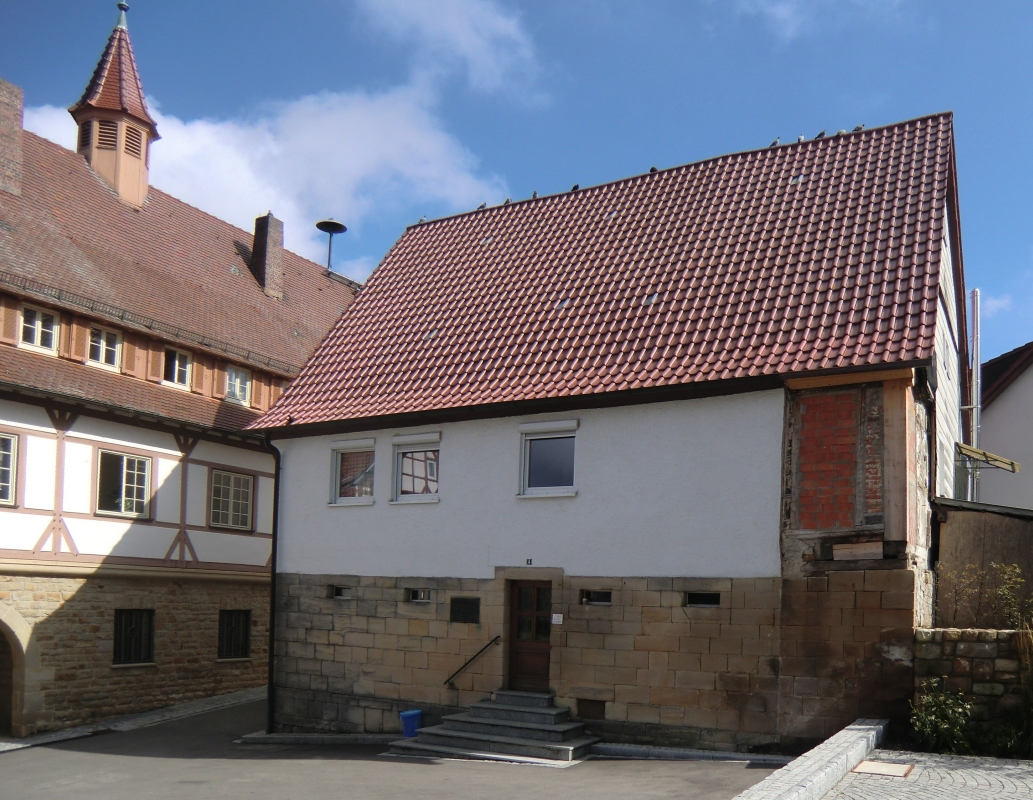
(261, 737)
(642, 751)
(816, 772)
(136, 721)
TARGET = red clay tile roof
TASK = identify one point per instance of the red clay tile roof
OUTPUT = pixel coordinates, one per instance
(814, 256)
(999, 373)
(182, 272)
(115, 84)
(66, 380)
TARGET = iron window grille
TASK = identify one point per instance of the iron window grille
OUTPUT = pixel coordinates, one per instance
(231, 500)
(8, 468)
(123, 484)
(234, 634)
(134, 636)
(465, 609)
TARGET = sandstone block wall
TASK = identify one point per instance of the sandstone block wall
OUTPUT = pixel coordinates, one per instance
(777, 661)
(72, 622)
(983, 665)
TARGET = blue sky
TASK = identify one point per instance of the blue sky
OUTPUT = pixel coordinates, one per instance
(378, 112)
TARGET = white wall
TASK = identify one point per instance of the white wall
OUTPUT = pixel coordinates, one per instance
(688, 488)
(103, 536)
(1007, 430)
(948, 374)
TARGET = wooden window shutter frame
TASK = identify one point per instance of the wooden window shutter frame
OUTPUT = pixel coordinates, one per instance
(259, 391)
(8, 319)
(129, 347)
(64, 336)
(219, 382)
(155, 360)
(80, 339)
(199, 376)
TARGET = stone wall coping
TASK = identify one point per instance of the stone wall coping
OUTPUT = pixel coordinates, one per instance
(645, 751)
(812, 775)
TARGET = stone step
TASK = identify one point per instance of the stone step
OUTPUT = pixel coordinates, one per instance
(440, 736)
(559, 732)
(410, 747)
(530, 699)
(546, 716)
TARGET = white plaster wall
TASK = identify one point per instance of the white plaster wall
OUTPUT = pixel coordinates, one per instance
(249, 460)
(115, 433)
(40, 466)
(21, 531)
(685, 488)
(948, 374)
(25, 416)
(224, 548)
(1007, 430)
(116, 537)
(77, 483)
(265, 491)
(197, 495)
(167, 495)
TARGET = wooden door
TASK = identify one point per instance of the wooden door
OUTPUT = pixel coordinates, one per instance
(530, 628)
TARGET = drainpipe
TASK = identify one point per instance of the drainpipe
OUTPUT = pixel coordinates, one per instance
(271, 686)
(977, 393)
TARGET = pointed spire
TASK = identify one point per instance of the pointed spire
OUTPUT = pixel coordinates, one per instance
(115, 85)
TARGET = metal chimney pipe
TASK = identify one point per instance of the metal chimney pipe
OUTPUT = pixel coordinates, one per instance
(977, 388)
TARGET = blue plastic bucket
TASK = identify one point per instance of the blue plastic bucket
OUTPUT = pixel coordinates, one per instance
(411, 720)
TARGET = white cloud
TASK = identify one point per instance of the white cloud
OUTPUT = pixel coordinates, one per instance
(476, 35)
(991, 306)
(789, 19)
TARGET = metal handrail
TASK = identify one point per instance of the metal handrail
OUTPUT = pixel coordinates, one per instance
(469, 661)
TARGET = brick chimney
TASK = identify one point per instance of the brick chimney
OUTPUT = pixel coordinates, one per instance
(267, 255)
(10, 138)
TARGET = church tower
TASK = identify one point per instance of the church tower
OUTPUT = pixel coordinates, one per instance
(115, 127)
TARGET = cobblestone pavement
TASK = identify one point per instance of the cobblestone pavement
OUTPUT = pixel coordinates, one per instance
(938, 777)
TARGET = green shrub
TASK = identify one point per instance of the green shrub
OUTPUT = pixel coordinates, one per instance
(939, 719)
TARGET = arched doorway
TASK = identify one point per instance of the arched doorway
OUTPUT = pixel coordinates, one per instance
(6, 685)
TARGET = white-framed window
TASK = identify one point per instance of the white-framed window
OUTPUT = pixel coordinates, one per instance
(105, 347)
(353, 463)
(238, 385)
(123, 484)
(40, 329)
(547, 458)
(417, 462)
(177, 368)
(8, 468)
(231, 500)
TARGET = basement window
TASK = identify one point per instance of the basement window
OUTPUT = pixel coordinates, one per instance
(134, 141)
(465, 609)
(341, 593)
(234, 634)
(177, 368)
(8, 462)
(417, 595)
(703, 599)
(107, 134)
(105, 345)
(134, 636)
(123, 484)
(85, 135)
(39, 329)
(590, 597)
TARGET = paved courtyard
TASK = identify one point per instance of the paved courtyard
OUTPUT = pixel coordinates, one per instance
(196, 758)
(938, 777)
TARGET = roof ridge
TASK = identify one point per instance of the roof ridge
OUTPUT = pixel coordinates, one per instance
(708, 160)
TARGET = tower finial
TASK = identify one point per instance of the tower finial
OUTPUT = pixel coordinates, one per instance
(122, 9)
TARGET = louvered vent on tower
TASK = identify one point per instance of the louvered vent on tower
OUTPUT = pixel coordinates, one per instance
(134, 141)
(107, 134)
(85, 135)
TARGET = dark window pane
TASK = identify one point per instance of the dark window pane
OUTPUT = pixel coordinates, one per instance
(234, 634)
(134, 636)
(170, 365)
(544, 599)
(524, 628)
(356, 473)
(465, 609)
(541, 629)
(550, 462)
(109, 483)
(525, 598)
